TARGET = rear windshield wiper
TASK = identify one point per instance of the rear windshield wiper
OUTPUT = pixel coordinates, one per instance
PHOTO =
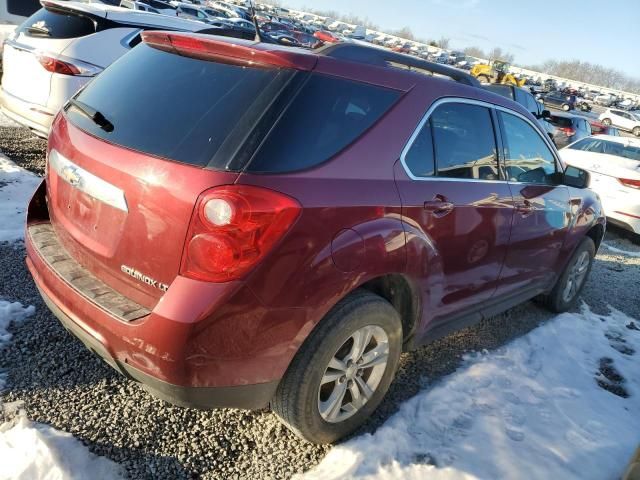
(93, 114)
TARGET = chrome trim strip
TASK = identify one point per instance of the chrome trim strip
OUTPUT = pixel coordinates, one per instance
(87, 182)
(469, 101)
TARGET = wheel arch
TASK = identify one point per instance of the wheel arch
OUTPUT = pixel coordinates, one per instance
(596, 233)
(399, 291)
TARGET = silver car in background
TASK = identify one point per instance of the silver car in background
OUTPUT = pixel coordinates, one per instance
(61, 47)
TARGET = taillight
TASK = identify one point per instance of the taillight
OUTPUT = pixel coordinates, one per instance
(68, 66)
(568, 131)
(232, 229)
(628, 182)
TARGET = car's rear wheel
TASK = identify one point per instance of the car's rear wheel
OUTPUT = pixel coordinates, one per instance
(342, 371)
(606, 121)
(636, 131)
(566, 107)
(566, 291)
(484, 79)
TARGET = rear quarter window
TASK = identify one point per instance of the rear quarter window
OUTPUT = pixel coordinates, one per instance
(57, 25)
(326, 115)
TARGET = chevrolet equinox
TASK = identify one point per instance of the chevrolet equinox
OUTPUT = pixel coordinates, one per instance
(236, 224)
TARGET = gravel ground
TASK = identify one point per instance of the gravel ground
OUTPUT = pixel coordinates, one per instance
(63, 385)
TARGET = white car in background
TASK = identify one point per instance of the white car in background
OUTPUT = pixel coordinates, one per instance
(629, 121)
(614, 165)
(154, 6)
(12, 14)
(63, 46)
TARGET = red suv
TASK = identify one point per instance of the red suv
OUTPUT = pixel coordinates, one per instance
(243, 225)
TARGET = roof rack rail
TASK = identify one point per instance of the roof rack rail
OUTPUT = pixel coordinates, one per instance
(378, 56)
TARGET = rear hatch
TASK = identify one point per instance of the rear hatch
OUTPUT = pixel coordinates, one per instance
(144, 143)
(129, 159)
(30, 54)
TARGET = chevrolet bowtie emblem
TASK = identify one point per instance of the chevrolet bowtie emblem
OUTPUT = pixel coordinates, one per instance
(71, 175)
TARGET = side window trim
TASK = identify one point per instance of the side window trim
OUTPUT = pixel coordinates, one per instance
(497, 135)
(497, 129)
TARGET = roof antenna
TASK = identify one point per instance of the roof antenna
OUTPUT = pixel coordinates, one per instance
(252, 7)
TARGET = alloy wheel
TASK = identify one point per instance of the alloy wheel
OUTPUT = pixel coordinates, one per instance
(353, 374)
(576, 277)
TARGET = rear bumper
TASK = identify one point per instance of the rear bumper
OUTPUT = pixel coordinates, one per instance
(245, 396)
(203, 345)
(628, 221)
(35, 117)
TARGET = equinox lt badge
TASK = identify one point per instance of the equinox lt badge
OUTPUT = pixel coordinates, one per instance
(132, 272)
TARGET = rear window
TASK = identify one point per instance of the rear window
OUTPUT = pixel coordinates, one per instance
(24, 8)
(226, 116)
(177, 107)
(57, 25)
(560, 121)
(597, 145)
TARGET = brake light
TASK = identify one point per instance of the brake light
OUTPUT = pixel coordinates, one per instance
(233, 228)
(54, 65)
(568, 131)
(628, 182)
(68, 66)
(208, 47)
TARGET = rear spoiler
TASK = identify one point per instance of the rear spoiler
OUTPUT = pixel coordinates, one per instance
(207, 47)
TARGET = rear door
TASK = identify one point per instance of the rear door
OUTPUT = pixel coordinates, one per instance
(542, 212)
(453, 200)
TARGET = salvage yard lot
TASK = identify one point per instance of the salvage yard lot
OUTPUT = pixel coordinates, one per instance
(58, 382)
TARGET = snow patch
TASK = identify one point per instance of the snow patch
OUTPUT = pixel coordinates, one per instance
(538, 408)
(623, 252)
(4, 120)
(16, 187)
(31, 451)
(10, 312)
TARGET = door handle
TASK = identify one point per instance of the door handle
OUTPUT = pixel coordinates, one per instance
(439, 206)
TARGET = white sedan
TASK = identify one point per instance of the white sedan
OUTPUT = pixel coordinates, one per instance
(629, 121)
(614, 165)
(64, 45)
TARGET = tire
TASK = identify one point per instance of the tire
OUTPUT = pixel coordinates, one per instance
(636, 131)
(558, 301)
(484, 79)
(566, 107)
(606, 121)
(300, 396)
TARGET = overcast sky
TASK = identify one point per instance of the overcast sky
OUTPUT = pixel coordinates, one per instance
(605, 32)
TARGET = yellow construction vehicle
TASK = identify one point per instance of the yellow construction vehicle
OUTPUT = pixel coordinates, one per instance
(496, 72)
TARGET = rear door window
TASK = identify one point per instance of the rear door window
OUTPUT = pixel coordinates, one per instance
(57, 25)
(528, 158)
(464, 142)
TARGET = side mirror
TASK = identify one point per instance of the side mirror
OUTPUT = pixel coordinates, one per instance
(576, 177)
